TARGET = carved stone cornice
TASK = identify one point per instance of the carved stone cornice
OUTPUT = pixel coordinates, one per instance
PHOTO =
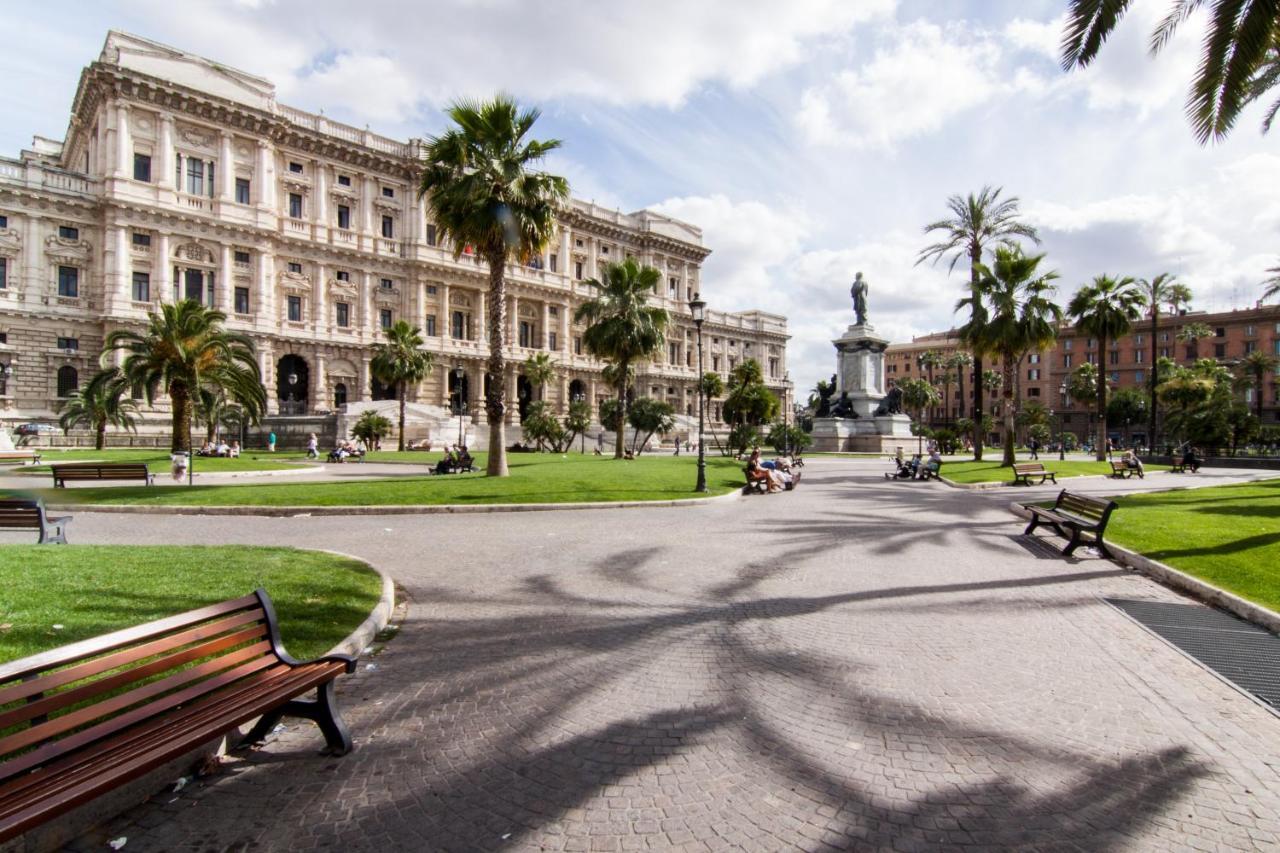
(295, 282)
(10, 241)
(60, 249)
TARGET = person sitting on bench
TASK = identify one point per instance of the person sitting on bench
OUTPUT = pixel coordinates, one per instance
(933, 466)
(1191, 460)
(757, 471)
(1133, 463)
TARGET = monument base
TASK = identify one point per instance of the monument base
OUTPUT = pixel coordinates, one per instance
(863, 435)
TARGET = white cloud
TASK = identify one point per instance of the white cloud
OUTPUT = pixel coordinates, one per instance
(1040, 37)
(345, 82)
(923, 77)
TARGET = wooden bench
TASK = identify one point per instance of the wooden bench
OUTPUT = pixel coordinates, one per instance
(25, 514)
(83, 719)
(24, 456)
(99, 471)
(1123, 471)
(1077, 514)
(1024, 471)
(930, 470)
(757, 482)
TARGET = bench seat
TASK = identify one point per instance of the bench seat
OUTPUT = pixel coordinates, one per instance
(29, 514)
(99, 471)
(1123, 471)
(1024, 471)
(1072, 517)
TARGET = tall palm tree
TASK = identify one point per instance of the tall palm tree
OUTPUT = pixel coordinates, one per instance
(621, 327)
(185, 348)
(1255, 366)
(99, 404)
(1106, 310)
(1022, 318)
(930, 360)
(975, 222)
(1161, 290)
(400, 362)
(1237, 63)
(482, 191)
(1192, 334)
(962, 363)
(1271, 283)
(539, 369)
(213, 407)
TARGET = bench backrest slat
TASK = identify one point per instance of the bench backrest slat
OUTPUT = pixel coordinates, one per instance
(1084, 506)
(1028, 468)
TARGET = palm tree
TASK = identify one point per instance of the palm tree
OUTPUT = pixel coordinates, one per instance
(1255, 366)
(1191, 334)
(621, 328)
(482, 191)
(1266, 78)
(918, 395)
(539, 370)
(401, 362)
(975, 222)
(185, 348)
(930, 360)
(1022, 318)
(1161, 290)
(1106, 310)
(1272, 284)
(99, 404)
(1238, 58)
(213, 407)
(961, 362)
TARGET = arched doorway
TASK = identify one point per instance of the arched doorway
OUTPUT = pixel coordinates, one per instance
(459, 392)
(524, 395)
(339, 395)
(577, 390)
(68, 381)
(292, 380)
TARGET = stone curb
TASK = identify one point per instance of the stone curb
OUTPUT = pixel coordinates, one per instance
(1182, 582)
(359, 639)
(392, 509)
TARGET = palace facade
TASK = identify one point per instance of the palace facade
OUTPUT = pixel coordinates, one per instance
(182, 178)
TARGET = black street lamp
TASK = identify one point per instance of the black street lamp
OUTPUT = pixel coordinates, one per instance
(458, 373)
(582, 446)
(699, 308)
(786, 425)
(1062, 445)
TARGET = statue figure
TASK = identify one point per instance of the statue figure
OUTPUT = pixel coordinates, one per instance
(859, 294)
(891, 404)
(843, 407)
(825, 390)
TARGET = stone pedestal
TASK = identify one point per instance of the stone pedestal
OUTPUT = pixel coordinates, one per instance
(860, 381)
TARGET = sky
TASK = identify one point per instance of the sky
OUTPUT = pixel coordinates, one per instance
(810, 139)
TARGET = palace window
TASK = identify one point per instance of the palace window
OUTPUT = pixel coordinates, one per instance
(1220, 332)
(195, 285)
(1138, 356)
(458, 325)
(242, 190)
(342, 315)
(431, 234)
(387, 284)
(295, 206)
(66, 232)
(388, 227)
(339, 395)
(142, 167)
(4, 222)
(552, 340)
(68, 281)
(551, 263)
(388, 192)
(344, 180)
(1066, 345)
(242, 300)
(1066, 360)
(4, 273)
(344, 217)
(385, 318)
(141, 239)
(343, 275)
(431, 290)
(196, 173)
(1219, 350)
(526, 333)
(577, 270)
(68, 381)
(295, 309)
(1250, 346)
(69, 343)
(295, 267)
(296, 168)
(431, 325)
(242, 257)
(1033, 374)
(673, 353)
(1137, 340)
(577, 346)
(141, 287)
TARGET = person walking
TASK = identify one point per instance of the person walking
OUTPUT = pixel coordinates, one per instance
(1034, 447)
(271, 441)
(313, 447)
(677, 445)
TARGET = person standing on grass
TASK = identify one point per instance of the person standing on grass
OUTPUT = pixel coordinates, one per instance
(313, 447)
(271, 441)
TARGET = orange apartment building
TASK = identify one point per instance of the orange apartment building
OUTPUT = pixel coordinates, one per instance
(1126, 363)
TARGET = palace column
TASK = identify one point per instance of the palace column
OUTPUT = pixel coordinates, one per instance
(444, 324)
(163, 266)
(482, 324)
(228, 281)
(265, 178)
(264, 307)
(168, 163)
(319, 393)
(124, 145)
(226, 169)
(544, 334)
(366, 386)
(320, 301)
(366, 304)
(320, 206)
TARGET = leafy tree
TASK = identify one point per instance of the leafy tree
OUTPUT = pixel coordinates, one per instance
(100, 403)
(541, 425)
(371, 428)
(783, 436)
(1021, 318)
(1271, 283)
(1106, 310)
(1238, 61)
(918, 395)
(611, 415)
(711, 386)
(961, 362)
(1242, 426)
(1032, 413)
(539, 369)
(213, 407)
(576, 423)
(621, 327)
(1198, 400)
(1082, 383)
(648, 416)
(185, 348)
(741, 438)
(400, 362)
(483, 191)
(1254, 368)
(976, 222)
(1192, 333)
(748, 400)
(1127, 406)
(1161, 290)
(1041, 433)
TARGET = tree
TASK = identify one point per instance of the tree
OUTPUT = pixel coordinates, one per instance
(1127, 406)
(1271, 283)
(741, 438)
(648, 416)
(1238, 58)
(976, 221)
(961, 362)
(1254, 368)
(783, 436)
(611, 415)
(213, 407)
(371, 428)
(1199, 400)
(400, 362)
(541, 426)
(1032, 414)
(483, 191)
(185, 348)
(1082, 383)
(918, 395)
(1106, 310)
(1191, 334)
(1161, 290)
(748, 400)
(1021, 318)
(539, 370)
(576, 423)
(99, 404)
(621, 327)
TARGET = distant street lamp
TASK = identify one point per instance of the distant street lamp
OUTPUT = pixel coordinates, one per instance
(458, 373)
(698, 309)
(786, 425)
(1062, 444)
(582, 446)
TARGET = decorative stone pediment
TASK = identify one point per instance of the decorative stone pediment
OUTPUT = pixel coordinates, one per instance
(296, 283)
(194, 253)
(340, 367)
(389, 295)
(10, 241)
(60, 249)
(390, 205)
(297, 183)
(459, 300)
(198, 137)
(184, 69)
(344, 288)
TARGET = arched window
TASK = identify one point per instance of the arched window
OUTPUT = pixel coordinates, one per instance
(339, 395)
(68, 381)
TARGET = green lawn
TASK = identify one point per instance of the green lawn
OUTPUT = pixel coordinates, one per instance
(986, 471)
(1226, 535)
(157, 460)
(92, 589)
(535, 478)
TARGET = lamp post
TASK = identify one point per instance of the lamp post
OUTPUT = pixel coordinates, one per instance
(786, 425)
(582, 445)
(458, 373)
(698, 309)
(1062, 445)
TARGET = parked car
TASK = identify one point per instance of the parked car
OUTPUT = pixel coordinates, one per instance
(35, 429)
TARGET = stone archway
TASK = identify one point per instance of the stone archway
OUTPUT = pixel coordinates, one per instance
(459, 393)
(577, 390)
(293, 378)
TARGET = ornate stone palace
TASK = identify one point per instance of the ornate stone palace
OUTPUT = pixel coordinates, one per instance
(182, 178)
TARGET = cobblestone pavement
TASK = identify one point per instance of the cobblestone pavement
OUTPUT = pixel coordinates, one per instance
(856, 665)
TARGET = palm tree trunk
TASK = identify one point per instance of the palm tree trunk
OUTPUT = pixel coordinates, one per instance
(619, 438)
(181, 403)
(1155, 379)
(100, 440)
(960, 388)
(975, 258)
(495, 396)
(1010, 426)
(400, 444)
(1100, 442)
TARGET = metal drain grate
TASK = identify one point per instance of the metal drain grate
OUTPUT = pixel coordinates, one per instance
(1240, 652)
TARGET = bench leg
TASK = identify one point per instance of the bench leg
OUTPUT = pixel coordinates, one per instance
(262, 728)
(53, 534)
(1072, 545)
(1035, 522)
(323, 711)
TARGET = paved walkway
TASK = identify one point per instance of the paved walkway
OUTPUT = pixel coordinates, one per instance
(856, 665)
